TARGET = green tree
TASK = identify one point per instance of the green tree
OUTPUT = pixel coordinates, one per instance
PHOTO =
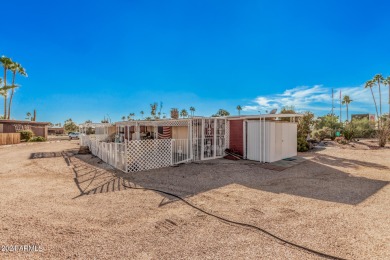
(239, 108)
(153, 109)
(370, 84)
(221, 112)
(28, 116)
(123, 118)
(183, 113)
(16, 68)
(346, 101)
(142, 114)
(305, 124)
(287, 110)
(378, 79)
(386, 82)
(70, 126)
(130, 116)
(192, 109)
(174, 113)
(5, 63)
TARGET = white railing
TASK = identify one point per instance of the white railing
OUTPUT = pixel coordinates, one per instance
(111, 153)
(180, 151)
(139, 155)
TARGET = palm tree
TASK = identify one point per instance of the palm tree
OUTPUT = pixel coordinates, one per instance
(15, 68)
(123, 118)
(378, 79)
(29, 116)
(192, 109)
(370, 84)
(153, 109)
(387, 82)
(6, 63)
(142, 114)
(174, 113)
(346, 101)
(239, 108)
(183, 113)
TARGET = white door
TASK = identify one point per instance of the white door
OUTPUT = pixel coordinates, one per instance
(253, 140)
(289, 140)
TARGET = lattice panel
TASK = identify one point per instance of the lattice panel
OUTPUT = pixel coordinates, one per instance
(148, 154)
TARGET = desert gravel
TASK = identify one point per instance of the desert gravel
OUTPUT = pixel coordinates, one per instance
(336, 202)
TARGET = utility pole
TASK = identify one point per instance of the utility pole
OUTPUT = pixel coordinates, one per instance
(332, 102)
(340, 106)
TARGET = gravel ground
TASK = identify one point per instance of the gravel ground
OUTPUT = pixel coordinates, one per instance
(336, 202)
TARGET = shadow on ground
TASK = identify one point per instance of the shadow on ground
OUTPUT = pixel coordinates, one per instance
(309, 179)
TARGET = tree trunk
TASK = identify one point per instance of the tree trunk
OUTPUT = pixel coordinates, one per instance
(12, 94)
(380, 99)
(5, 94)
(376, 108)
(347, 113)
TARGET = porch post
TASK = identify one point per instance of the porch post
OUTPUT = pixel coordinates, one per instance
(190, 140)
(202, 142)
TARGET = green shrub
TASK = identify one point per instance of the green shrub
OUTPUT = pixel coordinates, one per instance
(349, 132)
(363, 128)
(26, 135)
(37, 139)
(302, 145)
(322, 133)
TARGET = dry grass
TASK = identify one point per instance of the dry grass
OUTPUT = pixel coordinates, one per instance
(336, 202)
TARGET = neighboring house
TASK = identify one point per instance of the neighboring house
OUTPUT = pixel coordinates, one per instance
(15, 126)
(369, 117)
(56, 130)
(143, 145)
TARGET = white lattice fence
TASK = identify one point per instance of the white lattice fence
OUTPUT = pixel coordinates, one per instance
(148, 154)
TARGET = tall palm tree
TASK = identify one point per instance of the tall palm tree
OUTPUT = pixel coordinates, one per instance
(15, 68)
(29, 116)
(142, 114)
(387, 82)
(6, 63)
(370, 84)
(183, 113)
(123, 118)
(239, 108)
(346, 101)
(378, 79)
(192, 109)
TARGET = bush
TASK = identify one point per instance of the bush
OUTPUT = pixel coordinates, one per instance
(349, 132)
(37, 139)
(302, 145)
(322, 133)
(26, 135)
(363, 128)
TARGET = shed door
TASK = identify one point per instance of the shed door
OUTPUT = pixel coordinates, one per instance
(253, 140)
(289, 140)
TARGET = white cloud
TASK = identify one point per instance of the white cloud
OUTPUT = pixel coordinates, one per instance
(319, 99)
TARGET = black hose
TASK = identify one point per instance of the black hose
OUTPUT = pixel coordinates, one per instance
(241, 224)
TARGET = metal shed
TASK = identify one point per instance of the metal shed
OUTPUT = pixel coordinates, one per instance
(264, 138)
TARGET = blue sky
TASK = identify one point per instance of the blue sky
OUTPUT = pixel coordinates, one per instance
(90, 59)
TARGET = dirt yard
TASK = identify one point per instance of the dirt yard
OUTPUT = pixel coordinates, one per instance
(337, 201)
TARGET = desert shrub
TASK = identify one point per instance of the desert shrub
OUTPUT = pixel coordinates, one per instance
(349, 132)
(322, 133)
(37, 139)
(363, 128)
(26, 135)
(302, 145)
(341, 140)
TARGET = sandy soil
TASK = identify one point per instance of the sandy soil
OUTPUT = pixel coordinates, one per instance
(337, 202)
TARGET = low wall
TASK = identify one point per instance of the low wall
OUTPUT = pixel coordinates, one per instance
(9, 138)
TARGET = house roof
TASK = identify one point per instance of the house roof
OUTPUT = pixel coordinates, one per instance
(25, 122)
